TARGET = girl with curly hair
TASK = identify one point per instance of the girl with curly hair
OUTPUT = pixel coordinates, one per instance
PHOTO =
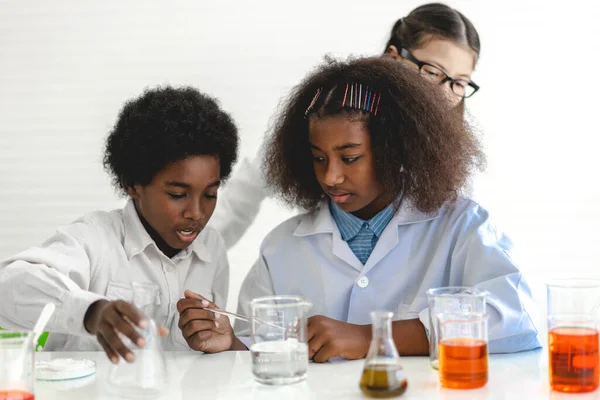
(435, 40)
(377, 160)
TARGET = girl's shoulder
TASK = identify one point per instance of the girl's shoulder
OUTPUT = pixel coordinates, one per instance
(465, 207)
(470, 219)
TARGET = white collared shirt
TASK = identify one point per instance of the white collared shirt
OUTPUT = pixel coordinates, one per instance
(98, 257)
(456, 246)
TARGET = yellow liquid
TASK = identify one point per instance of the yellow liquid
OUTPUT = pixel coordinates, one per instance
(380, 381)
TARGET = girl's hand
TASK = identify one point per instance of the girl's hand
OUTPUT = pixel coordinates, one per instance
(329, 338)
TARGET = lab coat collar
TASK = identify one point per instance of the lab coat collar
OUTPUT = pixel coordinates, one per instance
(321, 221)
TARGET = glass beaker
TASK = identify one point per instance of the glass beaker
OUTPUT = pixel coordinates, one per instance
(147, 376)
(278, 339)
(17, 366)
(382, 375)
(573, 306)
(451, 299)
(463, 352)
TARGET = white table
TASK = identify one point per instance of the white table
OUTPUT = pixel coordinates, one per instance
(522, 376)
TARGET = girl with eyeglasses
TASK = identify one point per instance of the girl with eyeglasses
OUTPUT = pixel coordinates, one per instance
(442, 44)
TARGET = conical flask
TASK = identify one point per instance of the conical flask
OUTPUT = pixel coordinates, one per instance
(147, 376)
(382, 376)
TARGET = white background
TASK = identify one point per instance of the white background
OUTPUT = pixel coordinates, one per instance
(66, 67)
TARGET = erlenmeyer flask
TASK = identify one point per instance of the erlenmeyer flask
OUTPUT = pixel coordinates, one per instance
(147, 376)
(382, 376)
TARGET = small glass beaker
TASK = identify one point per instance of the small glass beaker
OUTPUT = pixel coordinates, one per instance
(17, 365)
(279, 349)
(147, 376)
(573, 306)
(451, 299)
(382, 375)
(463, 350)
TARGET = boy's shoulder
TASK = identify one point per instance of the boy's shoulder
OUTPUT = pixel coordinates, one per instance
(110, 227)
(97, 229)
(101, 223)
(97, 232)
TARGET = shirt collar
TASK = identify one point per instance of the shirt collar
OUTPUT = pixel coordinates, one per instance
(137, 239)
(350, 225)
(321, 220)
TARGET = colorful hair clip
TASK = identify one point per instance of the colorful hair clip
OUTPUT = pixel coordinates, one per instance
(355, 96)
(312, 103)
(361, 98)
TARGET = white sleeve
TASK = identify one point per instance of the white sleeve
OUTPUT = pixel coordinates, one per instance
(240, 201)
(220, 287)
(258, 283)
(510, 305)
(483, 258)
(58, 271)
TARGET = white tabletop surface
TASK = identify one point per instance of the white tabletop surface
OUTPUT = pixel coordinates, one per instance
(193, 375)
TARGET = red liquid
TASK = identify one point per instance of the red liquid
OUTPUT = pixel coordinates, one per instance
(15, 395)
(463, 363)
(574, 359)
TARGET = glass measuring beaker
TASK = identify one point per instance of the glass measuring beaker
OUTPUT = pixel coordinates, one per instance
(279, 349)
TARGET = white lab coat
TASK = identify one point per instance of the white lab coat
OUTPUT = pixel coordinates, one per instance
(456, 246)
(98, 257)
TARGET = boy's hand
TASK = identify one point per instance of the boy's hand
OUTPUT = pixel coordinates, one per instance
(204, 330)
(106, 319)
(330, 338)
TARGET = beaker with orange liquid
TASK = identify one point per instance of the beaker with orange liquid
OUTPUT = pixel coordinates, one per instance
(451, 299)
(463, 350)
(573, 306)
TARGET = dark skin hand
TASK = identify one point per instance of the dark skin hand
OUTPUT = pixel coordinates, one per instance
(105, 318)
(329, 338)
(204, 330)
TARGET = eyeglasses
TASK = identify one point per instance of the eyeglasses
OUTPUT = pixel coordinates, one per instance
(460, 87)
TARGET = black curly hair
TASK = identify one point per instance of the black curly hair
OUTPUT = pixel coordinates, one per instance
(421, 147)
(165, 125)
